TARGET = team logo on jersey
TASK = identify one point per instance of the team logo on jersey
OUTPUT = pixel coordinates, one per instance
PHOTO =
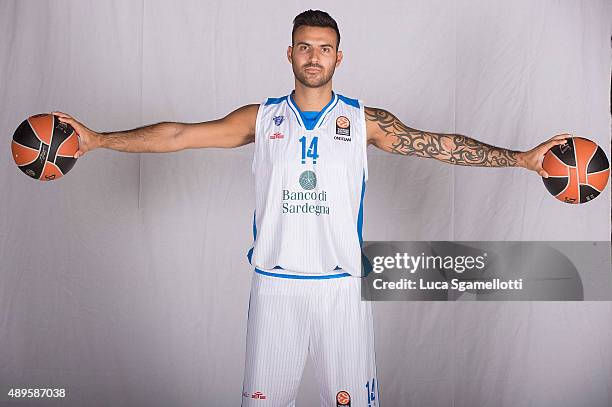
(343, 129)
(278, 120)
(308, 180)
(277, 135)
(343, 399)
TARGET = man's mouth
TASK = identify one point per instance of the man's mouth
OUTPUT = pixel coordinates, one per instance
(313, 69)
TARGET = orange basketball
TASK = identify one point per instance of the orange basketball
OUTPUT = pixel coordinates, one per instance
(577, 171)
(44, 148)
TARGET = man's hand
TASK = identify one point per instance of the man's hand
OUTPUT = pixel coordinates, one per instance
(532, 159)
(88, 139)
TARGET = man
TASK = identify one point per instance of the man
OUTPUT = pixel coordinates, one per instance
(310, 167)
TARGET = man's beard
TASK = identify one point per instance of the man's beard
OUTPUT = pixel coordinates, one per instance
(313, 82)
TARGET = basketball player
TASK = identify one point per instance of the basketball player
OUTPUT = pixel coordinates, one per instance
(310, 168)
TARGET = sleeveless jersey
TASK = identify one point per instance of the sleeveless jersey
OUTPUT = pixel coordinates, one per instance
(309, 188)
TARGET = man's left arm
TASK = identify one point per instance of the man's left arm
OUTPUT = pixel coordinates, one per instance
(388, 133)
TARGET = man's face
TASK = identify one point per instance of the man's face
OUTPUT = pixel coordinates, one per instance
(314, 55)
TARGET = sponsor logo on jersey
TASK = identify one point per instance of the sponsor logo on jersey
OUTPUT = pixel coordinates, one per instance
(343, 399)
(307, 201)
(278, 120)
(277, 135)
(308, 180)
(257, 395)
(343, 129)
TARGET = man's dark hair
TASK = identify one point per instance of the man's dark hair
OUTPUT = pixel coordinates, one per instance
(315, 18)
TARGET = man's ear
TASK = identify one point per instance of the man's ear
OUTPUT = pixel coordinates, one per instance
(289, 49)
(339, 57)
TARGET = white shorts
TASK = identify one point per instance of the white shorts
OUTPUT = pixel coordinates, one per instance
(290, 318)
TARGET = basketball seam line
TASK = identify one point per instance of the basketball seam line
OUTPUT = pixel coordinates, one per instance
(597, 172)
(569, 180)
(42, 143)
(29, 148)
(58, 149)
(577, 171)
(561, 161)
(586, 167)
(42, 173)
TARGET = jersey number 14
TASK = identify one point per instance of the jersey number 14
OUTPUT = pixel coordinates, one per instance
(311, 150)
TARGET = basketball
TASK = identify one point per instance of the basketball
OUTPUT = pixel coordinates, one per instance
(577, 171)
(43, 147)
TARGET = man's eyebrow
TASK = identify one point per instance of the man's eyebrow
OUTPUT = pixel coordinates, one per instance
(309, 44)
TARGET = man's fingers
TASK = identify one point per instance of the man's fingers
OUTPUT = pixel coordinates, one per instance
(60, 114)
(555, 141)
(543, 173)
(563, 136)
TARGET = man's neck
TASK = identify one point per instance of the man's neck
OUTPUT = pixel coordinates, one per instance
(312, 99)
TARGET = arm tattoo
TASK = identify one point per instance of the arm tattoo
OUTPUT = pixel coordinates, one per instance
(451, 148)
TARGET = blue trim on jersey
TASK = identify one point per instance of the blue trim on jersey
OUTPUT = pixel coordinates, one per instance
(274, 101)
(250, 252)
(298, 117)
(328, 111)
(310, 119)
(365, 262)
(360, 214)
(349, 101)
(306, 119)
(301, 276)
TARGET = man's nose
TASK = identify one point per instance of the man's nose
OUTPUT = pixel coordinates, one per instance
(314, 55)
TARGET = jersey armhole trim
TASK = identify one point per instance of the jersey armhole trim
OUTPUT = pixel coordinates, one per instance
(365, 138)
(257, 127)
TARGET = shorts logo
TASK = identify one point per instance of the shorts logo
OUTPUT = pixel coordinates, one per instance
(257, 395)
(278, 120)
(343, 129)
(343, 398)
(308, 180)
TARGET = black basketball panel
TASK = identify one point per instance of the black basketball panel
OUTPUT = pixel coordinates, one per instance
(587, 193)
(25, 136)
(65, 164)
(599, 161)
(555, 185)
(61, 132)
(565, 152)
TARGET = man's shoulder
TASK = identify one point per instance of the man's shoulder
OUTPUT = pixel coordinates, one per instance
(350, 101)
(275, 101)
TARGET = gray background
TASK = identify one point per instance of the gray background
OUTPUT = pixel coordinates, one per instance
(127, 282)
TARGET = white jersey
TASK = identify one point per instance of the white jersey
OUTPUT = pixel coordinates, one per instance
(310, 175)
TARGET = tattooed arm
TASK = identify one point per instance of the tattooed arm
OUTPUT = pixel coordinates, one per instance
(388, 133)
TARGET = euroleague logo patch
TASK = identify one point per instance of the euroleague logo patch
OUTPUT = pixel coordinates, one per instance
(343, 129)
(343, 398)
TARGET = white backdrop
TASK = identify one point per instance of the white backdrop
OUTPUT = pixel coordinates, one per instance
(127, 281)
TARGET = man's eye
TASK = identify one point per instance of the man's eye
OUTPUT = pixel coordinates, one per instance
(325, 50)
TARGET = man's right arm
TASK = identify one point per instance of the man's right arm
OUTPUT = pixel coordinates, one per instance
(234, 130)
